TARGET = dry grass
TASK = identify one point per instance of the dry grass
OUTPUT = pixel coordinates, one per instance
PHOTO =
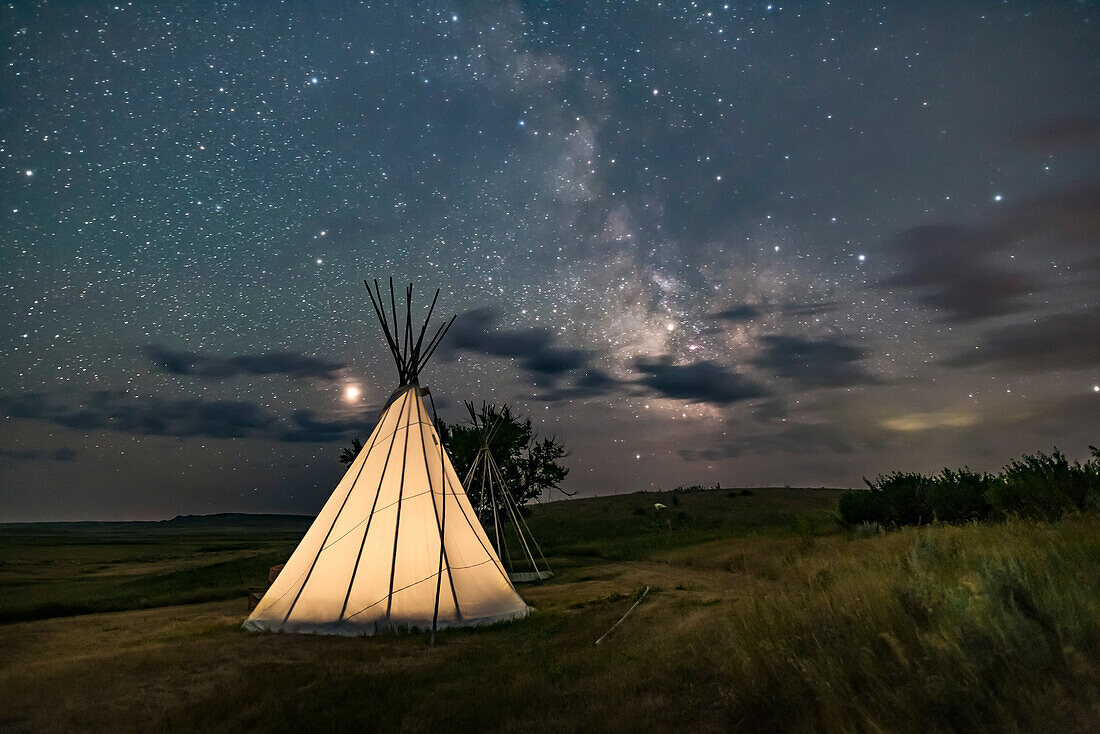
(973, 628)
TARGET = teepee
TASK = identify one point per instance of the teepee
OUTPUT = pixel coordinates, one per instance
(397, 545)
(497, 508)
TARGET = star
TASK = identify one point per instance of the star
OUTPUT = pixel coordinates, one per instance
(593, 267)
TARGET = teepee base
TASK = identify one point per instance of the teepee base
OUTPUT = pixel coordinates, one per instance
(348, 629)
(525, 576)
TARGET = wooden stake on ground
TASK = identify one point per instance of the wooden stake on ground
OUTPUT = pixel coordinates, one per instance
(628, 611)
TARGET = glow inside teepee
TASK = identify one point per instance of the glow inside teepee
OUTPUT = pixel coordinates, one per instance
(397, 545)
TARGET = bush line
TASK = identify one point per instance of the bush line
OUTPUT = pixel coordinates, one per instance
(1037, 486)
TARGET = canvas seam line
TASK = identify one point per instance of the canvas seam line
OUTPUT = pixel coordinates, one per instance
(409, 586)
(377, 492)
(397, 523)
(343, 504)
(443, 557)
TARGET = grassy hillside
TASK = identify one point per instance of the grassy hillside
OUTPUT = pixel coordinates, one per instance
(762, 616)
(61, 569)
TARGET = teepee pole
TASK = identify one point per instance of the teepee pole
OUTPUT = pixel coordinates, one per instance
(393, 313)
(466, 483)
(397, 522)
(486, 504)
(424, 328)
(437, 340)
(510, 505)
(441, 521)
(489, 474)
(502, 538)
(409, 358)
(370, 517)
(521, 525)
(535, 541)
(380, 312)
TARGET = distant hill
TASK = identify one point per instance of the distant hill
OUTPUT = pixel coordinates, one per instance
(234, 519)
(220, 522)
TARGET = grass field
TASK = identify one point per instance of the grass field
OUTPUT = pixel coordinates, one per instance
(762, 615)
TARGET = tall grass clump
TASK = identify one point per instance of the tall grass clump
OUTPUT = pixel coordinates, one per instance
(964, 628)
(1039, 486)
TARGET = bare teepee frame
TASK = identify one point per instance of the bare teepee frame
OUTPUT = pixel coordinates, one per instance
(495, 495)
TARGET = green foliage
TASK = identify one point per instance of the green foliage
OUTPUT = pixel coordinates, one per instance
(960, 495)
(1045, 487)
(900, 498)
(348, 454)
(1037, 486)
(868, 529)
(528, 464)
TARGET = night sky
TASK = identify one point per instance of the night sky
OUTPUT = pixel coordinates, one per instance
(746, 243)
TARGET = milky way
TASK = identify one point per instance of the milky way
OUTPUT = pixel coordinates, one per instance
(747, 244)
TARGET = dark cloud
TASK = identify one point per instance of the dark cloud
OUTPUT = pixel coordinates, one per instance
(1060, 341)
(953, 270)
(1066, 216)
(117, 411)
(699, 382)
(61, 454)
(19, 455)
(593, 383)
(536, 348)
(809, 309)
(1065, 133)
(25, 405)
(813, 363)
(749, 312)
(296, 365)
(770, 410)
(744, 312)
(950, 268)
(153, 416)
(306, 427)
(797, 438)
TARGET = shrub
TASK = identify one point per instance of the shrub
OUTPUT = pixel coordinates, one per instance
(1046, 486)
(1037, 485)
(908, 498)
(868, 529)
(960, 496)
(860, 507)
(892, 499)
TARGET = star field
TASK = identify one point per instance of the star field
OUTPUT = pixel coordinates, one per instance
(747, 243)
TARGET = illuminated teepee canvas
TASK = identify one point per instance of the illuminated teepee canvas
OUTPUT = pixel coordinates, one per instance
(397, 545)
